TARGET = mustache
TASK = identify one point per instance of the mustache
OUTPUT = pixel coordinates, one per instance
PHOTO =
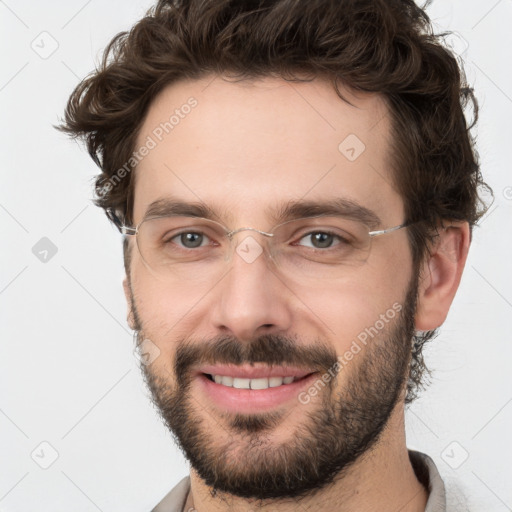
(269, 349)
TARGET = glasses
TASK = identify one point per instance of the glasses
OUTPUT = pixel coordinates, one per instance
(189, 248)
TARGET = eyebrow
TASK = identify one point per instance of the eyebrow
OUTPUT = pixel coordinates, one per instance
(338, 207)
(293, 209)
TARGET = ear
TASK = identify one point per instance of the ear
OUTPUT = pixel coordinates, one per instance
(440, 275)
(128, 295)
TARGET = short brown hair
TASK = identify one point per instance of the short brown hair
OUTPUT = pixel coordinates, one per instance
(379, 46)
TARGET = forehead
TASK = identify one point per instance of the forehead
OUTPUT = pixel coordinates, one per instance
(244, 147)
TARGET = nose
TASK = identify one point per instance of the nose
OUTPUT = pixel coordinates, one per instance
(252, 299)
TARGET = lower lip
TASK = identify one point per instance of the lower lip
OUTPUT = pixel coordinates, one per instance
(252, 400)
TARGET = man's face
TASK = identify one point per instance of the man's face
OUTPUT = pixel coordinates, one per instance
(247, 149)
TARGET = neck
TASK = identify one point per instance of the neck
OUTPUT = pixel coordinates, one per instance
(382, 479)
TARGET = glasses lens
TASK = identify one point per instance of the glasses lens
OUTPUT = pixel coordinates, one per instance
(320, 247)
(182, 246)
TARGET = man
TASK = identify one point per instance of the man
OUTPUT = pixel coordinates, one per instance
(297, 188)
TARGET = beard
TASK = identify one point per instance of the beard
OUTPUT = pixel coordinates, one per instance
(332, 434)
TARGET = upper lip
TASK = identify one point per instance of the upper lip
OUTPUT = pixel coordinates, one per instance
(254, 372)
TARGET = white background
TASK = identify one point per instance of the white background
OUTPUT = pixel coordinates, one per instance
(67, 372)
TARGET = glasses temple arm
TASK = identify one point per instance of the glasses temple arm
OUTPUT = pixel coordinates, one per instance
(389, 230)
(114, 218)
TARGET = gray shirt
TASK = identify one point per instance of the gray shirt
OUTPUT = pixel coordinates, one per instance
(424, 467)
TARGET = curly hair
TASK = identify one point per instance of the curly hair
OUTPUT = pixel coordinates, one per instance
(386, 47)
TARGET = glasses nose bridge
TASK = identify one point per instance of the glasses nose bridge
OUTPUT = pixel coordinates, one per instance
(231, 234)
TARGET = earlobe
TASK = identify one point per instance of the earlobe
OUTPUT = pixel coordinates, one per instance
(441, 274)
(128, 295)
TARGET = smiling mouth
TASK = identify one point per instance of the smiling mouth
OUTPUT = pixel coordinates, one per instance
(256, 384)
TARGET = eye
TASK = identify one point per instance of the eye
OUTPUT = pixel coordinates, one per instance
(189, 239)
(322, 239)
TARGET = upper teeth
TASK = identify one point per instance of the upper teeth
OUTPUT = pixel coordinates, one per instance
(263, 383)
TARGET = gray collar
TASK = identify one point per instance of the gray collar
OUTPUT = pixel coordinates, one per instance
(428, 474)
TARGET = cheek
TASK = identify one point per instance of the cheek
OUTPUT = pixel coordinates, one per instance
(367, 301)
(164, 309)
